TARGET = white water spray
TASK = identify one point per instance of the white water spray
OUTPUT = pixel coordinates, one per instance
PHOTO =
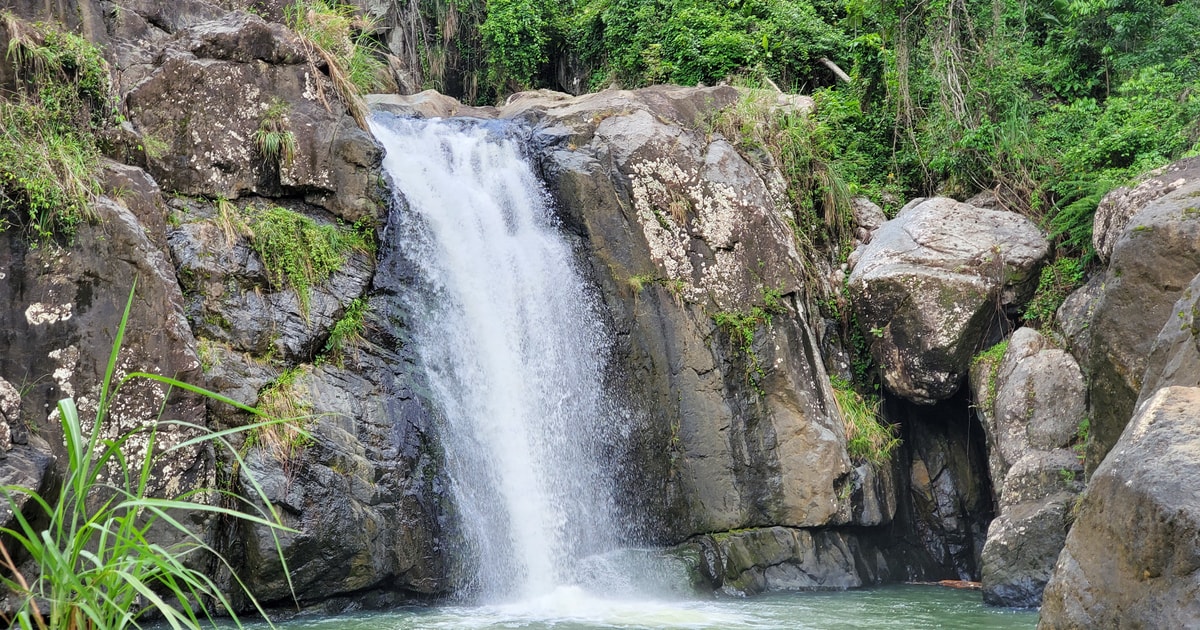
(514, 352)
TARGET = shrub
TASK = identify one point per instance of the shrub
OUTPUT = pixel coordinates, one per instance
(49, 151)
(97, 564)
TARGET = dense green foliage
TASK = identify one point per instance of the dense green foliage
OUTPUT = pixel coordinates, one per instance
(97, 564)
(1049, 104)
(49, 125)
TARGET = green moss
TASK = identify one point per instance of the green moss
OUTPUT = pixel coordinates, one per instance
(49, 147)
(989, 360)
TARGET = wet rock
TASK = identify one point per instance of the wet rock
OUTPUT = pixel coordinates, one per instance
(360, 494)
(948, 505)
(754, 561)
(1131, 558)
(932, 282)
(1156, 257)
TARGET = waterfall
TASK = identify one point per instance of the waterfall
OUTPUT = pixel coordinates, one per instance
(514, 352)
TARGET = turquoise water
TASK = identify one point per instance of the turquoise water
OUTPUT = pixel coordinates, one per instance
(892, 607)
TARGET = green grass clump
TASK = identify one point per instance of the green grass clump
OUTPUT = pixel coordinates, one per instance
(274, 140)
(348, 329)
(49, 152)
(341, 39)
(868, 438)
(283, 398)
(298, 252)
(96, 564)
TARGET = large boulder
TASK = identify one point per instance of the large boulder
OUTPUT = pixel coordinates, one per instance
(1157, 255)
(1131, 558)
(931, 284)
(359, 494)
(1030, 402)
(1122, 204)
(218, 83)
(681, 232)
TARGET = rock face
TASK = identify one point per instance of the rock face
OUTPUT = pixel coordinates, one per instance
(1131, 558)
(931, 284)
(215, 85)
(1121, 204)
(945, 500)
(783, 559)
(1031, 403)
(1175, 359)
(741, 417)
(63, 306)
(1156, 257)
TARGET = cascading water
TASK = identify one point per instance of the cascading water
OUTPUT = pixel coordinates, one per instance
(513, 349)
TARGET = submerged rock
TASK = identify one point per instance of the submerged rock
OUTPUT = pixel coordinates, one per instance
(1131, 558)
(753, 561)
(933, 282)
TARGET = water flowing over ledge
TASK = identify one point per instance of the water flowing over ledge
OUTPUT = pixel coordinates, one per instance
(514, 353)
